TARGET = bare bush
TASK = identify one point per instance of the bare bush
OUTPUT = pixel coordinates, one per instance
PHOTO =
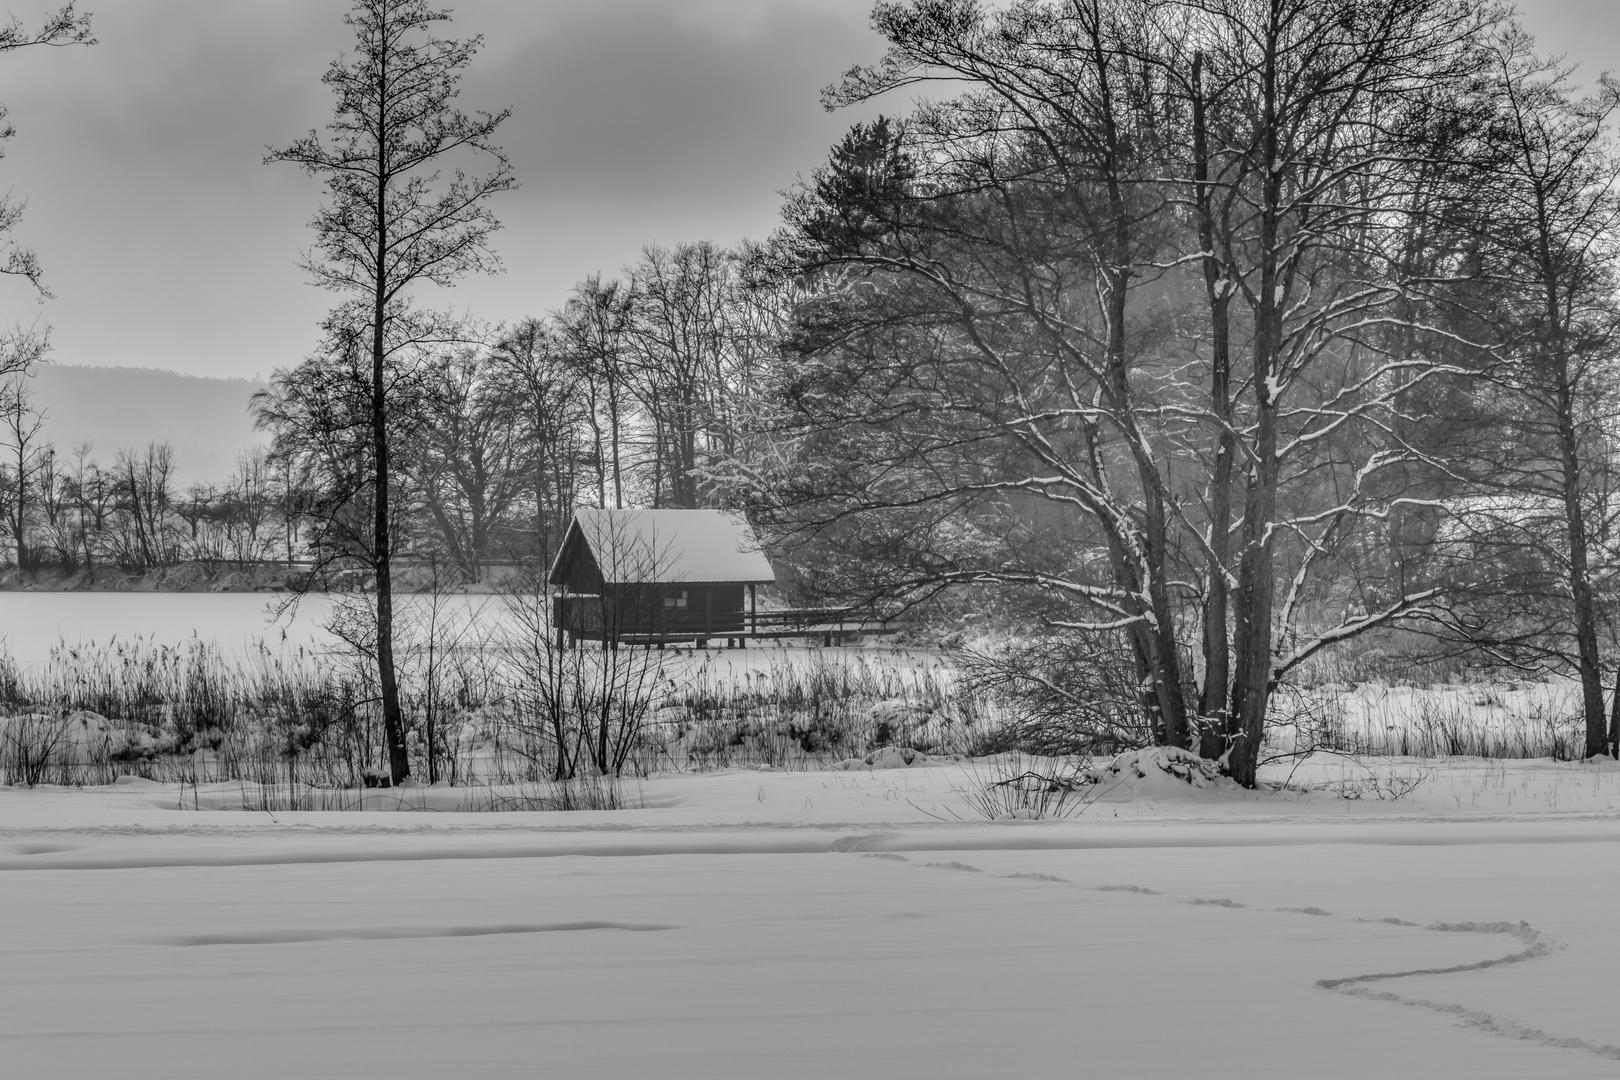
(1013, 787)
(1074, 694)
(582, 710)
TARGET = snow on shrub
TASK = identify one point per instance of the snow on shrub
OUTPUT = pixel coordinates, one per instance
(888, 757)
(1153, 766)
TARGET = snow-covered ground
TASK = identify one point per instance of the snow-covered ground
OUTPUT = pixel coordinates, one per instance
(853, 923)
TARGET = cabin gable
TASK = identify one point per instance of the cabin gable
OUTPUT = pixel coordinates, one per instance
(575, 569)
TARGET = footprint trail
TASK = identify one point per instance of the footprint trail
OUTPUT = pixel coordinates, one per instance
(1535, 945)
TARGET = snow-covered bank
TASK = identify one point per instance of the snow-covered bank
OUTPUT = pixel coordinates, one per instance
(756, 924)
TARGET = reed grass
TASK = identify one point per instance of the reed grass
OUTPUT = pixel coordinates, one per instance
(301, 730)
(1510, 719)
(289, 728)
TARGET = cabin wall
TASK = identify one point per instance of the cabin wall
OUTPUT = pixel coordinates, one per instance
(675, 610)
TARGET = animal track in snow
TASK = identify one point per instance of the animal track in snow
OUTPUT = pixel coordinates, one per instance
(1536, 944)
(395, 933)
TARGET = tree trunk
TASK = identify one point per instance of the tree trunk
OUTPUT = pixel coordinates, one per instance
(1164, 657)
(613, 435)
(1614, 718)
(1251, 688)
(399, 765)
(1580, 579)
(1251, 682)
(1213, 697)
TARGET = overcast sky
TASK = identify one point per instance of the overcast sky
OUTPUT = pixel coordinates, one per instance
(170, 245)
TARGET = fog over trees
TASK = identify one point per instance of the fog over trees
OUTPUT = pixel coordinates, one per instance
(1168, 342)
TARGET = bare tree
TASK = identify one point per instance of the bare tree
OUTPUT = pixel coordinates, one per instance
(469, 457)
(28, 458)
(56, 519)
(1003, 375)
(1316, 177)
(390, 221)
(204, 542)
(21, 346)
(143, 489)
(1549, 236)
(247, 509)
(677, 322)
(595, 323)
(89, 491)
(565, 409)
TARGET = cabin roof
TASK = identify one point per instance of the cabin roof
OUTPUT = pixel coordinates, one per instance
(638, 547)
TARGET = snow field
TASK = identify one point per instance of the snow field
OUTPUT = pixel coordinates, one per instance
(728, 930)
(1387, 916)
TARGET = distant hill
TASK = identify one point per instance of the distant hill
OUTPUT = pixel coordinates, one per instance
(206, 420)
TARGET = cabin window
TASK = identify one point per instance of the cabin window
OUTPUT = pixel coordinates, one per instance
(676, 601)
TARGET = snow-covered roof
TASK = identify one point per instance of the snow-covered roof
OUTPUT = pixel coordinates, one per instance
(634, 547)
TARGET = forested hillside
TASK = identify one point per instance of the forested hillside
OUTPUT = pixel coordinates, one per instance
(205, 420)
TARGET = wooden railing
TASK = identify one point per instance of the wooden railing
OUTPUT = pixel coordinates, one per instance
(816, 619)
(831, 623)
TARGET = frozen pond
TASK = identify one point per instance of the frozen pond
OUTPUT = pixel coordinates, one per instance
(32, 623)
(739, 919)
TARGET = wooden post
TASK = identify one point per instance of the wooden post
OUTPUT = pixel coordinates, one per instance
(753, 608)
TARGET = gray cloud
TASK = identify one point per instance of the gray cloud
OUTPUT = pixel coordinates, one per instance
(171, 245)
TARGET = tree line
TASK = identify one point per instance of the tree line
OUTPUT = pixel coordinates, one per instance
(635, 392)
(71, 512)
(1225, 329)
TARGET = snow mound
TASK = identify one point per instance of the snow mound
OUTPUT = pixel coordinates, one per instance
(1158, 772)
(78, 737)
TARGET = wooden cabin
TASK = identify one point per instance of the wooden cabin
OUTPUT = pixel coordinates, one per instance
(648, 577)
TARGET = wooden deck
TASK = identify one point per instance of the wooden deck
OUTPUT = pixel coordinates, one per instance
(832, 625)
